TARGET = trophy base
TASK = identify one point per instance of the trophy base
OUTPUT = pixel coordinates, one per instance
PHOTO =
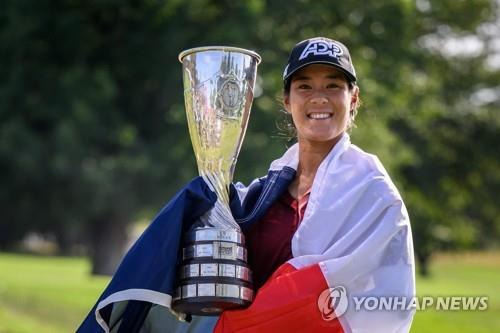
(214, 275)
(208, 305)
(209, 296)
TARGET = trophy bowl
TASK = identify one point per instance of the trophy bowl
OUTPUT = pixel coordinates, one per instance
(218, 92)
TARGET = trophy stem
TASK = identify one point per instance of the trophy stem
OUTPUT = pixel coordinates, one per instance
(220, 215)
(217, 183)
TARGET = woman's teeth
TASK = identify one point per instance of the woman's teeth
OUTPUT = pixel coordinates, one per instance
(319, 115)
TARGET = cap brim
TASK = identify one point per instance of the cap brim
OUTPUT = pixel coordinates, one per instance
(349, 76)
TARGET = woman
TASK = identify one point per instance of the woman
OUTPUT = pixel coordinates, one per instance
(321, 98)
(325, 229)
(338, 224)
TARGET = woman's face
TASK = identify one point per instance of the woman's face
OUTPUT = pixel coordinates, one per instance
(320, 102)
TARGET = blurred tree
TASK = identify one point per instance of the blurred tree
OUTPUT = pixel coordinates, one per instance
(93, 132)
(85, 133)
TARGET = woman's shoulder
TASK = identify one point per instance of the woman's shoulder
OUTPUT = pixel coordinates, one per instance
(366, 167)
(364, 161)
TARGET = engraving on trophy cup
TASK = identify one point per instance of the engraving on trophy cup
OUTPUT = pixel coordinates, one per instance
(218, 92)
(229, 97)
(230, 94)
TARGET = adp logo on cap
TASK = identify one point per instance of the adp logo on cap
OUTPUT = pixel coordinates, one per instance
(319, 50)
(321, 47)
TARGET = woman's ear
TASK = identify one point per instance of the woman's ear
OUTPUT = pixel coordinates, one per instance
(286, 102)
(354, 97)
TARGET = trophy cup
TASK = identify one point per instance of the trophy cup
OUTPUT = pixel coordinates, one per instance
(218, 92)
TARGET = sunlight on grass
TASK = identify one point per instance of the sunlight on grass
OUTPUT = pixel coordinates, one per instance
(50, 294)
(461, 275)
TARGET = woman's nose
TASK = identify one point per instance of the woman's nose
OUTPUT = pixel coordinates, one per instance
(319, 98)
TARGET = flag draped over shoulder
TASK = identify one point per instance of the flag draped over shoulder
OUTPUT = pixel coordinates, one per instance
(355, 237)
(147, 274)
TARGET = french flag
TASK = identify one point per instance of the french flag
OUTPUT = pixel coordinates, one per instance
(354, 241)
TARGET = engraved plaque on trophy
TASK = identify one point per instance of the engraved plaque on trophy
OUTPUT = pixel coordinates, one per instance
(218, 93)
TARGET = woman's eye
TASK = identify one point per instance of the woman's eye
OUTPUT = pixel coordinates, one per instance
(332, 86)
(304, 86)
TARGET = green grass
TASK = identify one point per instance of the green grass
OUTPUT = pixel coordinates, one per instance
(461, 275)
(47, 294)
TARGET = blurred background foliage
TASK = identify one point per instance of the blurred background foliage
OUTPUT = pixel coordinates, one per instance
(93, 134)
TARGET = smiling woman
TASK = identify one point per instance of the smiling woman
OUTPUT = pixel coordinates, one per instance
(321, 94)
(336, 221)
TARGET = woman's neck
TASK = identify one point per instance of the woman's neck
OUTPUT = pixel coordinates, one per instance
(311, 154)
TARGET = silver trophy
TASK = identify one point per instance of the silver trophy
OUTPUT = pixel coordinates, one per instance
(218, 92)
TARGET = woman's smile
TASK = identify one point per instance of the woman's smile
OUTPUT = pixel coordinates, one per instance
(320, 115)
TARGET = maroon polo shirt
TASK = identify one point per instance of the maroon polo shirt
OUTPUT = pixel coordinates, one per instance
(269, 240)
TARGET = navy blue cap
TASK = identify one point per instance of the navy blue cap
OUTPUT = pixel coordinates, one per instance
(320, 50)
